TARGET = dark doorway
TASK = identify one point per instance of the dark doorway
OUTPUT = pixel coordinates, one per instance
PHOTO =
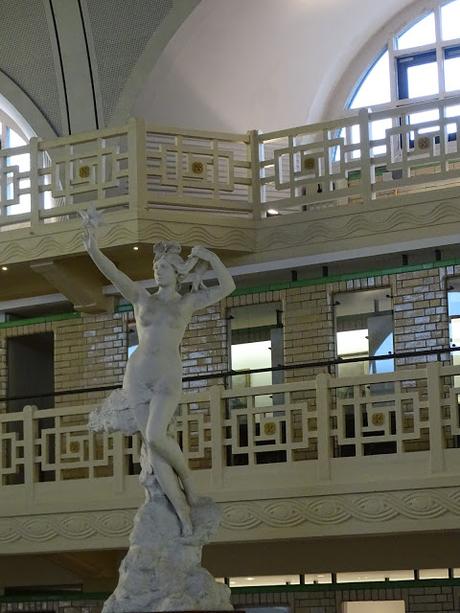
(31, 371)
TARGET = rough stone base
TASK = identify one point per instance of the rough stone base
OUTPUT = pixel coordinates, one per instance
(162, 570)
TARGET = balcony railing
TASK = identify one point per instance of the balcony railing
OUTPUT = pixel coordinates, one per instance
(136, 167)
(315, 433)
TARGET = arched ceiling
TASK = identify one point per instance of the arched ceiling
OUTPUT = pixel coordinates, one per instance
(265, 64)
(74, 65)
(69, 65)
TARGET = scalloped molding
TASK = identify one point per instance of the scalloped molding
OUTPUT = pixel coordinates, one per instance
(370, 513)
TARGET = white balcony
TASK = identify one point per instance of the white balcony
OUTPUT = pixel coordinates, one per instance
(324, 457)
(369, 178)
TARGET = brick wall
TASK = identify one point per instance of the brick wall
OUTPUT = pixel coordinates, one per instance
(91, 351)
(310, 599)
(420, 313)
(417, 599)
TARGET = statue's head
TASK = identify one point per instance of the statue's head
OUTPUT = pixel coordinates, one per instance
(168, 266)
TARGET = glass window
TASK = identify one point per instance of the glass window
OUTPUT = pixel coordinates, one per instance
(452, 68)
(423, 32)
(364, 328)
(133, 339)
(265, 580)
(450, 20)
(256, 343)
(417, 75)
(375, 86)
(377, 575)
(434, 573)
(374, 606)
(420, 50)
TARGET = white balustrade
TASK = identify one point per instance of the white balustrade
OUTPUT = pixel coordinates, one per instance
(353, 160)
(318, 430)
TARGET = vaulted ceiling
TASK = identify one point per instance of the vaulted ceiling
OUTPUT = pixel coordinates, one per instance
(74, 65)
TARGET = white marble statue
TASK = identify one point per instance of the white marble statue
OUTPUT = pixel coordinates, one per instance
(173, 524)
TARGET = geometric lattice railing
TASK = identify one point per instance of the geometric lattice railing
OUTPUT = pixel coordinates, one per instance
(332, 164)
(319, 424)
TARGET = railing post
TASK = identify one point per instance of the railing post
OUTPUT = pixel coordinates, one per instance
(435, 418)
(118, 462)
(255, 158)
(35, 197)
(367, 170)
(322, 411)
(216, 412)
(137, 165)
(29, 448)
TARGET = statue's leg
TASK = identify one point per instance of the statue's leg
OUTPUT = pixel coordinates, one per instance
(170, 486)
(159, 443)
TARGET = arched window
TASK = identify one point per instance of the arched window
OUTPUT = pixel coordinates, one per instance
(420, 61)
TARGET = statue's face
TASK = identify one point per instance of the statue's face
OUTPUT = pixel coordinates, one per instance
(164, 273)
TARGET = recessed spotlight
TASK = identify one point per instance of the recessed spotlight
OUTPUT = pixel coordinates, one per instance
(271, 212)
(4, 267)
(136, 248)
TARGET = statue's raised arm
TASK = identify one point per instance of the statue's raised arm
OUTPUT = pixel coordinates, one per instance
(128, 288)
(211, 295)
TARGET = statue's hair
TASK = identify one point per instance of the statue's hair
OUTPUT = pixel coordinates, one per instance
(170, 251)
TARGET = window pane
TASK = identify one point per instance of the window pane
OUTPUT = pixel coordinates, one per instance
(450, 20)
(352, 342)
(422, 80)
(375, 87)
(452, 73)
(13, 139)
(422, 33)
(434, 573)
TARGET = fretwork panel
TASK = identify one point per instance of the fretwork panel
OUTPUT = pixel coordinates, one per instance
(12, 453)
(450, 409)
(306, 167)
(192, 427)
(410, 148)
(379, 419)
(194, 168)
(96, 169)
(70, 451)
(261, 429)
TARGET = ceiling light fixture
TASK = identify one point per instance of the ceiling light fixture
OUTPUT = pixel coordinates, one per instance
(136, 248)
(4, 267)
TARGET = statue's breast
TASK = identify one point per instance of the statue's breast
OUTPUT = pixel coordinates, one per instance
(171, 315)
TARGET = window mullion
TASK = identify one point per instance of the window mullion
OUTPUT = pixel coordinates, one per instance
(439, 52)
(393, 69)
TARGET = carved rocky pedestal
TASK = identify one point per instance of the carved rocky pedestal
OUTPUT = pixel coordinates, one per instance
(162, 570)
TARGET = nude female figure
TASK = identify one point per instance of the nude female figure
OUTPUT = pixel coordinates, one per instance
(153, 377)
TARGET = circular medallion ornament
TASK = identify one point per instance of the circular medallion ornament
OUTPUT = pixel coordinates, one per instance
(309, 163)
(423, 142)
(270, 427)
(83, 172)
(378, 419)
(197, 168)
(74, 447)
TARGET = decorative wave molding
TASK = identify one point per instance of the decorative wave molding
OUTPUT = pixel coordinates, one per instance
(65, 241)
(368, 509)
(359, 224)
(71, 526)
(334, 510)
